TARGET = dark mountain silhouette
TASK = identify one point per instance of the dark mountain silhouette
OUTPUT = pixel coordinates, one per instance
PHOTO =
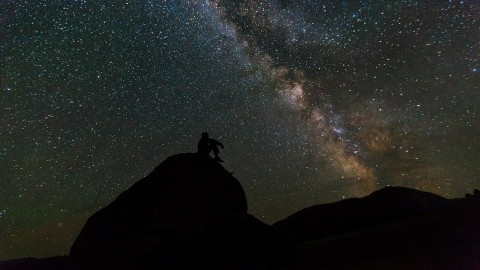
(190, 213)
(447, 237)
(387, 204)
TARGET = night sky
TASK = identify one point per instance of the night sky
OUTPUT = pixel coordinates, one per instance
(314, 101)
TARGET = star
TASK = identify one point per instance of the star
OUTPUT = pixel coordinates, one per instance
(314, 101)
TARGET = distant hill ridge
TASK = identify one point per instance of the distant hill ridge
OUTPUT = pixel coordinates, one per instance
(387, 204)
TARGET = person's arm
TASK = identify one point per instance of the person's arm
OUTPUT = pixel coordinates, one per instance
(217, 143)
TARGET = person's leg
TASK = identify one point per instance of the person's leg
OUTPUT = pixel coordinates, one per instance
(215, 152)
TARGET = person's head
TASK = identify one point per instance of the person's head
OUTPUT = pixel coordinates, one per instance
(205, 135)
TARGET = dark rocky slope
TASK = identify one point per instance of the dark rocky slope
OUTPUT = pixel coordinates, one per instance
(443, 238)
(188, 213)
(385, 205)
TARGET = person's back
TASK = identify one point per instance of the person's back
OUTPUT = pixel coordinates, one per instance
(203, 145)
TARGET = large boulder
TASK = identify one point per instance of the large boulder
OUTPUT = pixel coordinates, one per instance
(189, 212)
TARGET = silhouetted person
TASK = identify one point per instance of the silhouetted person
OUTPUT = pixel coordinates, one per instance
(206, 144)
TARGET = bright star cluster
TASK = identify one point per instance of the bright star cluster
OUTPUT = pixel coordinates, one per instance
(314, 100)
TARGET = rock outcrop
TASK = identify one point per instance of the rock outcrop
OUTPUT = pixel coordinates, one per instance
(188, 213)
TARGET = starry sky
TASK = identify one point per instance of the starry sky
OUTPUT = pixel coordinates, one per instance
(315, 101)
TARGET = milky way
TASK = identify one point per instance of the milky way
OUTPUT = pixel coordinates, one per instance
(314, 101)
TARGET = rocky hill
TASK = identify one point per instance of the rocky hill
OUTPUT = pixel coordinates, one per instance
(446, 237)
(385, 205)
